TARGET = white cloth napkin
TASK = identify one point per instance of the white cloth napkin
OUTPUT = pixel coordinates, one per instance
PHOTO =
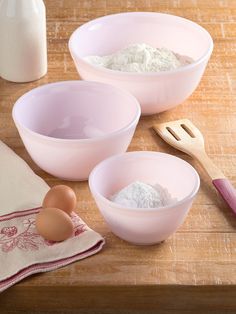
(22, 250)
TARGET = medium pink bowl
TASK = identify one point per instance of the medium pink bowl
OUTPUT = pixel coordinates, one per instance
(68, 127)
(142, 225)
(156, 92)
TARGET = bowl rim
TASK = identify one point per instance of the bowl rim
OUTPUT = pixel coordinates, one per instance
(172, 206)
(109, 135)
(104, 70)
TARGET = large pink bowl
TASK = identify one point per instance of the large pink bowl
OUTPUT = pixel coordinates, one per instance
(156, 92)
(142, 225)
(68, 127)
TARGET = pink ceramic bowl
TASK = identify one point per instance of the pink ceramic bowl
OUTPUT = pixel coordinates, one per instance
(141, 225)
(68, 127)
(156, 92)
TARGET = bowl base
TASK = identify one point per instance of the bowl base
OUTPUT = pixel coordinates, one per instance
(145, 244)
(73, 180)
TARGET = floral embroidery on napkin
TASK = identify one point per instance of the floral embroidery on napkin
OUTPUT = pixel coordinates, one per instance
(28, 239)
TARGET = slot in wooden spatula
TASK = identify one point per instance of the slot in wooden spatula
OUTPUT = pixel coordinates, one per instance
(183, 135)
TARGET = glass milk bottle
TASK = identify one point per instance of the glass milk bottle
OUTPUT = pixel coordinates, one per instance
(23, 46)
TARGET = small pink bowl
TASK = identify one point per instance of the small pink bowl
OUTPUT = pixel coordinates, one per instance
(68, 127)
(156, 92)
(142, 225)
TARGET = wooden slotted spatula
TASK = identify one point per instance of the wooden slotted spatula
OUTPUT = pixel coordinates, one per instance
(183, 135)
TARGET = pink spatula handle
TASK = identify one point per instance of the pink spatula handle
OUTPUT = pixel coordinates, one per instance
(227, 191)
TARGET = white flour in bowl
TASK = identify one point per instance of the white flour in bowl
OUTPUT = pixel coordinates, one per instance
(141, 195)
(140, 58)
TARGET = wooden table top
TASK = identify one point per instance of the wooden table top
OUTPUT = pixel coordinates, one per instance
(197, 265)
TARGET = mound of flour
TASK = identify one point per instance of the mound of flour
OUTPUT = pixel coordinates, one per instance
(140, 58)
(141, 195)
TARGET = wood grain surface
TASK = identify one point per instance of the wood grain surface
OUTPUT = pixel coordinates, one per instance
(194, 271)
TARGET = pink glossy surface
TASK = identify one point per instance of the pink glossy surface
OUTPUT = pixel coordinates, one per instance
(68, 127)
(156, 92)
(144, 226)
(227, 191)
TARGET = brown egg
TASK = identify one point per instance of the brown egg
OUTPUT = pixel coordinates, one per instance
(62, 197)
(53, 224)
